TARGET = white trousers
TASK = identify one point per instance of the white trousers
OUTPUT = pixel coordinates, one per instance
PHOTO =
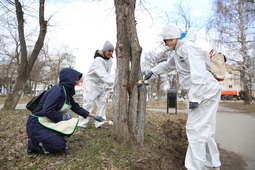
(200, 129)
(89, 101)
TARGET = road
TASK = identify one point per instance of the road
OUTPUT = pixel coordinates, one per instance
(235, 131)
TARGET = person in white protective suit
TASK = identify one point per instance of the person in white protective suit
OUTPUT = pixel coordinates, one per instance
(192, 65)
(95, 83)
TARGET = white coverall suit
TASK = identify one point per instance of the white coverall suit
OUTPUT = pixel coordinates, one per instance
(191, 64)
(95, 83)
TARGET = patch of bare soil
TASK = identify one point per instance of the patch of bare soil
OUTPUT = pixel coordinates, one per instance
(169, 150)
(231, 160)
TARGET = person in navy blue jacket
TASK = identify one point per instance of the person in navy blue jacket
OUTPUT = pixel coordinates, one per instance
(51, 124)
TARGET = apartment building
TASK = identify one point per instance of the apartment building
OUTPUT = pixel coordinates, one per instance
(233, 79)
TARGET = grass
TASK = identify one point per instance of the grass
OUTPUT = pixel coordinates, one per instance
(162, 103)
(241, 105)
(165, 145)
(88, 149)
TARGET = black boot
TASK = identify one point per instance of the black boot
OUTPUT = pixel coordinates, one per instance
(30, 149)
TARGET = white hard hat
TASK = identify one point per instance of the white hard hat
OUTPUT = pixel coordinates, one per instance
(171, 32)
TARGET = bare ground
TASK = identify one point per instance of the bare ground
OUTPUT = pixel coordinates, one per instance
(169, 152)
(164, 148)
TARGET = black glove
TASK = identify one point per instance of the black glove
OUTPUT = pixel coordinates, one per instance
(148, 75)
(193, 105)
(67, 116)
(98, 118)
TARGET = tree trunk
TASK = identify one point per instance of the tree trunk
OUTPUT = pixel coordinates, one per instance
(26, 64)
(232, 20)
(246, 57)
(129, 100)
(158, 87)
(247, 76)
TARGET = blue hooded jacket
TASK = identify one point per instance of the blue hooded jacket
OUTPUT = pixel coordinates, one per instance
(53, 101)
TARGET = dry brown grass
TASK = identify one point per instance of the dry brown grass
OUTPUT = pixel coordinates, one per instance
(162, 103)
(164, 147)
(242, 106)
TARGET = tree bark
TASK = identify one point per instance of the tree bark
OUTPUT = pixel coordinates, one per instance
(246, 58)
(129, 100)
(26, 63)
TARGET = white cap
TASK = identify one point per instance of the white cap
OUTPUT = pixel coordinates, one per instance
(171, 32)
(107, 46)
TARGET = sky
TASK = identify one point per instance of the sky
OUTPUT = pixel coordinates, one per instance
(84, 26)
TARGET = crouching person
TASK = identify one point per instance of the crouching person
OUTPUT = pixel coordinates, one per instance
(51, 124)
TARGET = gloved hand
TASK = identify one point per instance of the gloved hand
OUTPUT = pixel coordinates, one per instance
(98, 118)
(148, 75)
(193, 105)
(67, 116)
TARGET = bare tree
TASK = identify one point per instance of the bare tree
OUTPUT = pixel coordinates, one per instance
(172, 80)
(184, 15)
(26, 62)
(234, 22)
(8, 70)
(37, 75)
(129, 100)
(55, 63)
(156, 82)
(9, 53)
(47, 67)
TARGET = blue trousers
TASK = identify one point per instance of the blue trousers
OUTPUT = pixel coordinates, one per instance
(53, 144)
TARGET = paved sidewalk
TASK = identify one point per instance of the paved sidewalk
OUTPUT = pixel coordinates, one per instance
(235, 132)
(19, 106)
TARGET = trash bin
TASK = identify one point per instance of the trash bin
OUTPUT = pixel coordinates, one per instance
(172, 99)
